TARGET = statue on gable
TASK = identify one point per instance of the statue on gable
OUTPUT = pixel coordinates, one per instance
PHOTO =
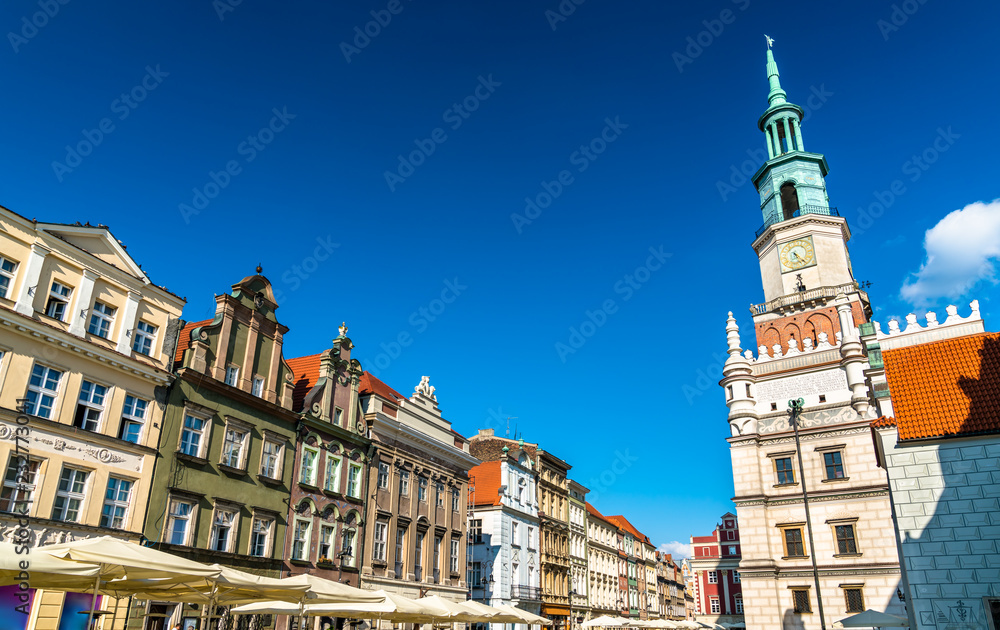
(426, 388)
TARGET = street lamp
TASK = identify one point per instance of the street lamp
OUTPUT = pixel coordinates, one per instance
(794, 410)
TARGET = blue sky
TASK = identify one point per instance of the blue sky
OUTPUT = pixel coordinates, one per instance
(292, 125)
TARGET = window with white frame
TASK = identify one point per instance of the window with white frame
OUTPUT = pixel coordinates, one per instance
(378, 549)
(19, 481)
(223, 529)
(235, 446)
(354, 480)
(90, 406)
(422, 489)
(348, 550)
(270, 459)
(300, 539)
(7, 269)
(736, 577)
(515, 530)
(738, 600)
(531, 537)
(260, 536)
(70, 494)
(194, 436)
(383, 475)
(338, 416)
(714, 601)
(439, 495)
(116, 500)
(143, 338)
(58, 303)
(307, 466)
(180, 521)
(102, 317)
(133, 419)
(43, 387)
(332, 481)
(713, 577)
(454, 500)
(326, 542)
(258, 387)
(232, 375)
(404, 483)
(453, 564)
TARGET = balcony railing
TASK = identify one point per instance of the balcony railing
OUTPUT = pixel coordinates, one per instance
(526, 593)
(806, 296)
(802, 211)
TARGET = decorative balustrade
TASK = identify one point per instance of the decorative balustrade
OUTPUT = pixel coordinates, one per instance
(802, 211)
(806, 296)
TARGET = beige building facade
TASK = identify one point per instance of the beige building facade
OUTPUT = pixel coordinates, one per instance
(602, 564)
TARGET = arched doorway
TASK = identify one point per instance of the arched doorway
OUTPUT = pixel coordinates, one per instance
(789, 200)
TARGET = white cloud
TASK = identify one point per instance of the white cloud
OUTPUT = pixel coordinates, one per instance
(678, 549)
(962, 250)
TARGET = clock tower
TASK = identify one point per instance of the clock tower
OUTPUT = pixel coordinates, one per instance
(802, 245)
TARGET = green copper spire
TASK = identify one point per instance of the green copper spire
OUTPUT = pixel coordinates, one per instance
(776, 96)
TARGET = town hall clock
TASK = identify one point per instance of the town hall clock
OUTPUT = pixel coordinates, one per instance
(797, 254)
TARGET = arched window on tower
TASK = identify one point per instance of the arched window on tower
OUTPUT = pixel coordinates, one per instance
(789, 200)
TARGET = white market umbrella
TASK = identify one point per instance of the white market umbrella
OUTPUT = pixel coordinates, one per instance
(41, 570)
(687, 624)
(606, 622)
(395, 607)
(874, 619)
(491, 613)
(525, 616)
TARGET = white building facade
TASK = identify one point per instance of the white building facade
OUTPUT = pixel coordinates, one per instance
(602, 564)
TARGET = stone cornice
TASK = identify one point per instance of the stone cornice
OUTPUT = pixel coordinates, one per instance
(400, 431)
(865, 492)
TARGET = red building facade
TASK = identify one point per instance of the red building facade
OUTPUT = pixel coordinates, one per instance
(715, 563)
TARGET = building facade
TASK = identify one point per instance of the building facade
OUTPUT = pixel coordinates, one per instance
(553, 513)
(602, 565)
(85, 359)
(579, 585)
(808, 347)
(715, 565)
(417, 513)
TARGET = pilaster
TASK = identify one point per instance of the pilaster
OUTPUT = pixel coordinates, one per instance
(29, 285)
(84, 301)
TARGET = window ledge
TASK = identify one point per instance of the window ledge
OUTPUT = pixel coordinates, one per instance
(785, 485)
(794, 557)
(231, 470)
(379, 563)
(848, 555)
(193, 459)
(270, 480)
(332, 493)
(834, 480)
(300, 563)
(309, 486)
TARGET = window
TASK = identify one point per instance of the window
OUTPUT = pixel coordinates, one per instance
(260, 536)
(43, 386)
(531, 537)
(18, 485)
(116, 503)
(383, 475)
(834, 465)
(133, 419)
(732, 550)
(400, 542)
(713, 577)
(234, 447)
(258, 386)
(800, 601)
(378, 550)
(418, 562)
(145, 335)
(222, 535)
(476, 530)
(846, 543)
(439, 495)
(354, 480)
(736, 577)
(102, 317)
(793, 543)
(232, 375)
(474, 574)
(300, 540)
(58, 302)
(520, 490)
(270, 460)
(715, 605)
(404, 483)
(193, 436)
(514, 531)
(422, 489)
(855, 599)
(179, 521)
(453, 565)
(454, 500)
(90, 406)
(739, 604)
(7, 268)
(338, 416)
(332, 481)
(783, 466)
(348, 549)
(326, 543)
(70, 494)
(437, 559)
(307, 468)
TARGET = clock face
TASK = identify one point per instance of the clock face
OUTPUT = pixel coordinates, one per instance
(797, 254)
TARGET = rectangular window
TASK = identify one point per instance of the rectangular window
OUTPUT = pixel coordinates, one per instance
(90, 406)
(732, 550)
(436, 567)
(133, 419)
(193, 436)
(439, 495)
(834, 465)
(232, 375)
(354, 480)
(307, 469)
(531, 537)
(144, 337)
(400, 551)
(800, 601)
(332, 482)
(422, 489)
(260, 536)
(326, 543)
(58, 302)
(258, 386)
(43, 387)
(116, 503)
(476, 530)
(102, 317)
(715, 605)
(793, 543)
(348, 549)
(383, 475)
(418, 561)
(300, 540)
(338, 416)
(378, 549)
(454, 500)
(855, 600)
(736, 577)
(845, 539)
(453, 565)
(404, 483)
(270, 460)
(474, 574)
(70, 494)
(223, 534)
(739, 604)
(179, 522)
(783, 466)
(515, 539)
(18, 485)
(7, 268)
(713, 577)
(234, 447)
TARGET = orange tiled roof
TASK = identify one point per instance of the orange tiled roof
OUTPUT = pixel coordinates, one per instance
(622, 522)
(371, 385)
(487, 483)
(305, 371)
(593, 512)
(946, 388)
(883, 422)
(184, 339)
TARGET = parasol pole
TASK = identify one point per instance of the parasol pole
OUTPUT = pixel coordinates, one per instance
(93, 600)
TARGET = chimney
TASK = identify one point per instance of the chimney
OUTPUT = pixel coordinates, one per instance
(485, 432)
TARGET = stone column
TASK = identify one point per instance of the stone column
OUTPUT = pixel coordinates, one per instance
(29, 283)
(770, 146)
(798, 134)
(724, 577)
(85, 295)
(774, 135)
(852, 356)
(788, 134)
(128, 322)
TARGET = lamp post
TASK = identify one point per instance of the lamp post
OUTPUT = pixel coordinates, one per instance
(794, 410)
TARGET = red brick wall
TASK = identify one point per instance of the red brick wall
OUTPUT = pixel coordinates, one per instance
(807, 324)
